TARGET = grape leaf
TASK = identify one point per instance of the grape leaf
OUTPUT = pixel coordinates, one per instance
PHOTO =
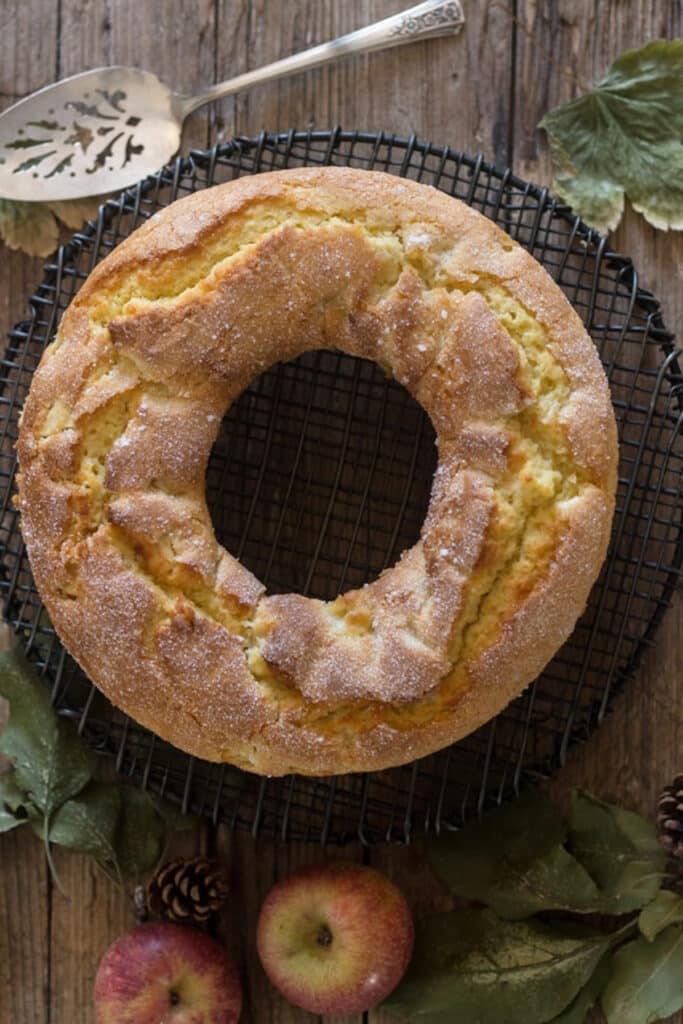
(514, 861)
(666, 909)
(471, 966)
(625, 136)
(88, 821)
(577, 1010)
(619, 849)
(28, 226)
(34, 227)
(139, 838)
(11, 803)
(51, 761)
(75, 212)
(647, 980)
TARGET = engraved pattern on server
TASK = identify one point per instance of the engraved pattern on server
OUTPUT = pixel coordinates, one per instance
(447, 14)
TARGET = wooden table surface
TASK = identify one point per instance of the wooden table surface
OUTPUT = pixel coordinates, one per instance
(483, 90)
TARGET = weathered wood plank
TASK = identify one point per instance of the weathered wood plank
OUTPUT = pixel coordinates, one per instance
(24, 884)
(93, 914)
(252, 872)
(84, 922)
(155, 37)
(28, 60)
(562, 48)
(427, 88)
(174, 40)
(24, 929)
(28, 48)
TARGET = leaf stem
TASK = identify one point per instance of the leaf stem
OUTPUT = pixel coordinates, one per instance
(630, 928)
(662, 875)
(50, 862)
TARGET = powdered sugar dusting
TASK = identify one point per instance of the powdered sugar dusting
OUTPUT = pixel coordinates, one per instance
(220, 681)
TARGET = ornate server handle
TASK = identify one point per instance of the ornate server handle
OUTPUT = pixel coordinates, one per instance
(425, 21)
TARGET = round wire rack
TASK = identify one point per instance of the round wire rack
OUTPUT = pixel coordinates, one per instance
(321, 477)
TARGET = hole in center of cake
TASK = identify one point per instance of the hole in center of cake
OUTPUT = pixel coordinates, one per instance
(321, 474)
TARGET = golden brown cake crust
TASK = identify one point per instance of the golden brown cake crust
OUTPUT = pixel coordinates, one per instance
(126, 404)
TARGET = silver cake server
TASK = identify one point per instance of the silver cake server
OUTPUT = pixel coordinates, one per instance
(105, 129)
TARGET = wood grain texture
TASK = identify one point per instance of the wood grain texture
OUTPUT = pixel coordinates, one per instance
(24, 885)
(455, 89)
(561, 49)
(29, 37)
(484, 90)
(24, 929)
(90, 914)
(174, 39)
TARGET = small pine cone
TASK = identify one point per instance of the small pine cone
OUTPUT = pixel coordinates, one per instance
(187, 891)
(670, 818)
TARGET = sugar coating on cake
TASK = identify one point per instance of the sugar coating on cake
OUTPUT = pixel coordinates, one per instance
(128, 400)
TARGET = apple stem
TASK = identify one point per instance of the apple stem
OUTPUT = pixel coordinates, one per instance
(324, 937)
(173, 997)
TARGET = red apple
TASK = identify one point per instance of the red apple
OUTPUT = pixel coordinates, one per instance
(335, 938)
(169, 973)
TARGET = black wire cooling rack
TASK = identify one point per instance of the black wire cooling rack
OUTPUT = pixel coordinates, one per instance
(321, 476)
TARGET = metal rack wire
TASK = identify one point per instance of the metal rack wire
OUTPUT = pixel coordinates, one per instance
(321, 477)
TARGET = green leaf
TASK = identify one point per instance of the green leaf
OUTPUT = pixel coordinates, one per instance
(470, 966)
(620, 851)
(30, 227)
(34, 228)
(625, 136)
(590, 993)
(75, 212)
(514, 861)
(139, 838)
(37, 822)
(51, 761)
(12, 813)
(666, 909)
(8, 820)
(647, 980)
(87, 822)
(10, 793)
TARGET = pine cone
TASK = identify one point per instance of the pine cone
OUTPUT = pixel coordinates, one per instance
(187, 891)
(670, 818)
